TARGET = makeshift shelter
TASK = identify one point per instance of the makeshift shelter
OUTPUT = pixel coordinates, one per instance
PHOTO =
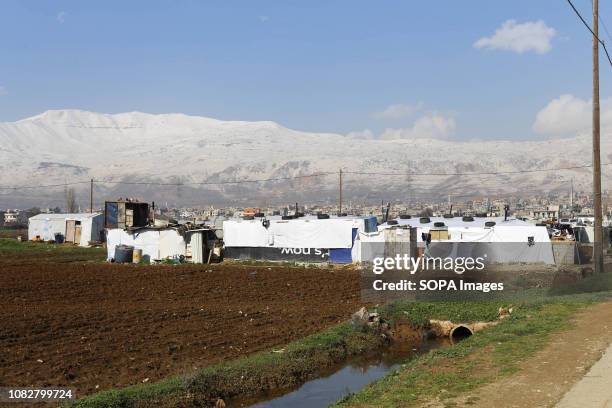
(388, 242)
(503, 241)
(308, 239)
(163, 243)
(78, 228)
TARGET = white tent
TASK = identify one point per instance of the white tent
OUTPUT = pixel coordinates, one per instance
(77, 228)
(303, 232)
(383, 243)
(155, 243)
(505, 242)
(307, 239)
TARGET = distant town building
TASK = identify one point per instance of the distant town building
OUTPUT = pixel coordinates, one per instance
(250, 211)
(549, 211)
(11, 216)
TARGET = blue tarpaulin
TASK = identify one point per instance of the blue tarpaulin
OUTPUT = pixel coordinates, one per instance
(343, 255)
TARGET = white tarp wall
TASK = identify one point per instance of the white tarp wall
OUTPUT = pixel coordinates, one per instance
(370, 245)
(46, 226)
(155, 244)
(295, 233)
(509, 240)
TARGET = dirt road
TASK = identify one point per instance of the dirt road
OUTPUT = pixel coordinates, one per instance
(547, 376)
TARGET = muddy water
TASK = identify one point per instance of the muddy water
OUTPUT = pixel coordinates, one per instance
(344, 379)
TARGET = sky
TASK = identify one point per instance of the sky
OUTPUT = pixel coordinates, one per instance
(387, 69)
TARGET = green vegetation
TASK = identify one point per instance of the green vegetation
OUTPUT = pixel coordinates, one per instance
(43, 251)
(483, 358)
(275, 369)
(13, 231)
(14, 245)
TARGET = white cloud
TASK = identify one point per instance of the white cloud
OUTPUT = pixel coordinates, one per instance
(569, 115)
(520, 37)
(563, 116)
(398, 111)
(61, 17)
(432, 126)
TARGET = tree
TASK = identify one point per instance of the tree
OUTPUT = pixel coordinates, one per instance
(71, 204)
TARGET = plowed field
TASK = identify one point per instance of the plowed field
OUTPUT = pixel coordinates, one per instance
(68, 321)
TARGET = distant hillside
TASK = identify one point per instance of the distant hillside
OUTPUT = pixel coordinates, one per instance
(71, 145)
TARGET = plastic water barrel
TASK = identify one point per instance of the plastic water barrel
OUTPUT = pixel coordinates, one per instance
(137, 255)
(124, 253)
(59, 238)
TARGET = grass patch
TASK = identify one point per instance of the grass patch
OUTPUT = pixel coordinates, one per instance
(445, 372)
(12, 245)
(16, 252)
(298, 362)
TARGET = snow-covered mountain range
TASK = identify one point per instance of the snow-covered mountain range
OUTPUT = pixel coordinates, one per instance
(62, 146)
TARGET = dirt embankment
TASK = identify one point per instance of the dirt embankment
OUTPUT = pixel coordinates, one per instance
(96, 326)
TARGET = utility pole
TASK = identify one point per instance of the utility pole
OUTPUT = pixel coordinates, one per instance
(598, 244)
(572, 198)
(91, 197)
(340, 210)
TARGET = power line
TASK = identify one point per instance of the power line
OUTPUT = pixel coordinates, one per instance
(602, 22)
(591, 30)
(320, 174)
(205, 183)
(43, 186)
(604, 27)
(476, 173)
(153, 183)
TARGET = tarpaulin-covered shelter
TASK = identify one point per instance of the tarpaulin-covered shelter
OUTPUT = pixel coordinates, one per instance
(503, 241)
(78, 228)
(387, 242)
(308, 239)
(159, 243)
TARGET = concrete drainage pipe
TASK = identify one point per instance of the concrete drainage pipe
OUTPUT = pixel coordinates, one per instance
(459, 333)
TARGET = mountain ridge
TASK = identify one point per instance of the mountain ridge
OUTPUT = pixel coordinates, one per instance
(65, 145)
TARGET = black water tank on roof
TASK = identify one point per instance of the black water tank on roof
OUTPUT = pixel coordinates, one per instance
(405, 216)
(468, 219)
(439, 224)
(391, 222)
(424, 220)
(490, 224)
